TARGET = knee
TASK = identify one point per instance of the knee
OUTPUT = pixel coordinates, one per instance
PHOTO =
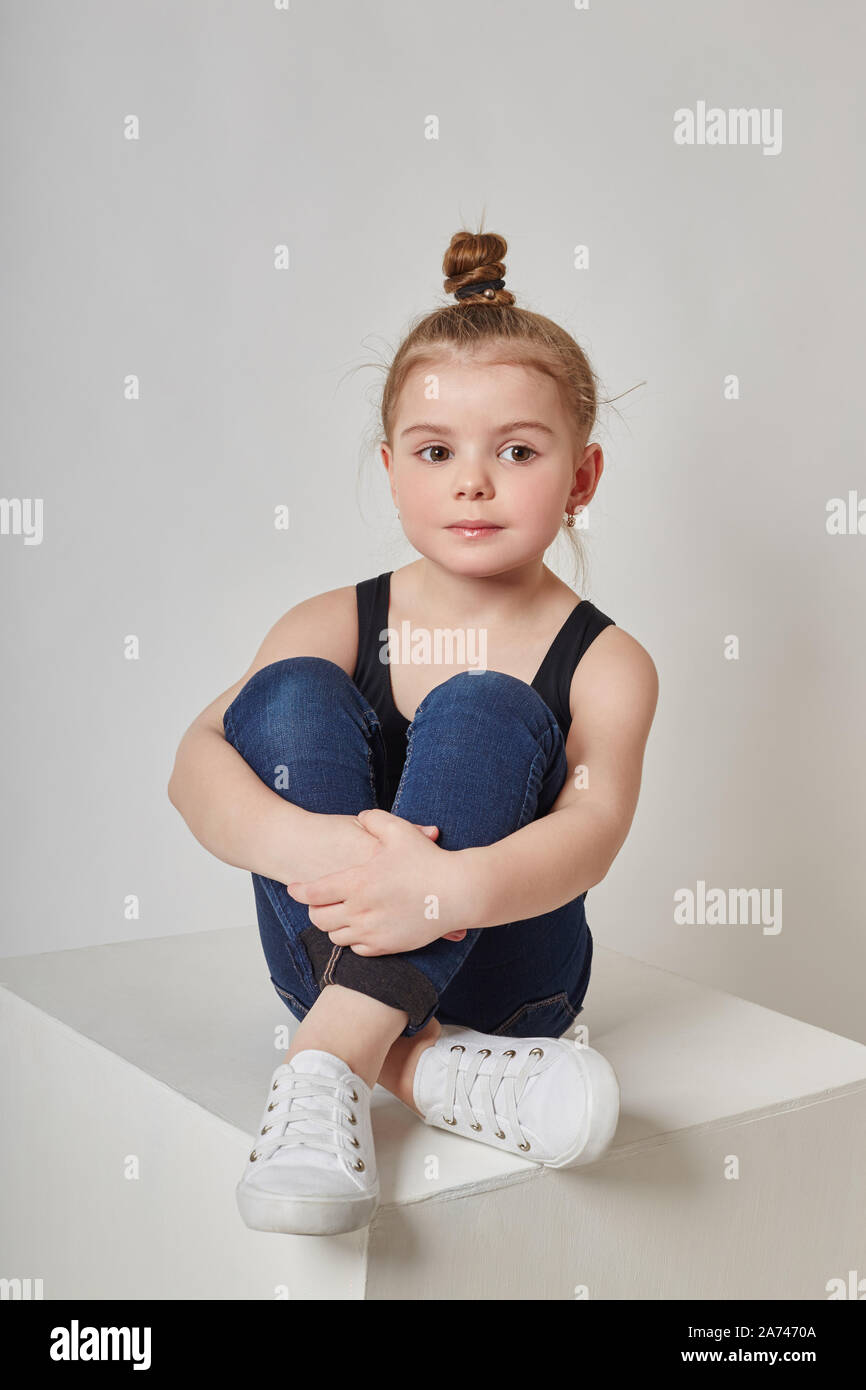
(484, 689)
(281, 694)
(489, 699)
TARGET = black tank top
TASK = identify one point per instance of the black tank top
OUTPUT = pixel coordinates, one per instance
(373, 677)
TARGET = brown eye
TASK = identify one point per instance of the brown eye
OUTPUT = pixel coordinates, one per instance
(526, 450)
(442, 449)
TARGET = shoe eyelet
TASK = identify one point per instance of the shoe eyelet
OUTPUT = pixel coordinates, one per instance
(485, 1052)
(449, 1122)
(265, 1128)
(353, 1096)
(510, 1053)
(273, 1105)
(500, 1134)
(353, 1120)
(524, 1147)
(475, 1127)
(359, 1166)
(458, 1047)
(253, 1156)
(356, 1143)
(274, 1087)
(537, 1052)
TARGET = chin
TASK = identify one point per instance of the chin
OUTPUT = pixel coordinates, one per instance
(474, 566)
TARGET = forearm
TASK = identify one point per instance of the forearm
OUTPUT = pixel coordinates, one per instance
(540, 867)
(234, 814)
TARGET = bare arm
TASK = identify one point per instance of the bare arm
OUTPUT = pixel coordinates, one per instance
(232, 812)
(228, 808)
(549, 862)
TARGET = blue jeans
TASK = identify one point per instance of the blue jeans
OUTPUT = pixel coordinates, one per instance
(485, 756)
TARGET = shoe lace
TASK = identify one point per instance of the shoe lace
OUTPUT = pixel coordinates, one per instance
(289, 1090)
(498, 1092)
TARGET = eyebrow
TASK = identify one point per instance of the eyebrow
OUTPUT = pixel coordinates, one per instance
(502, 429)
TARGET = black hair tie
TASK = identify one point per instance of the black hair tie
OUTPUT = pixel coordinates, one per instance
(485, 287)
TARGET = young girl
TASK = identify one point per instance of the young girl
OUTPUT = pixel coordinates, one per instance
(423, 818)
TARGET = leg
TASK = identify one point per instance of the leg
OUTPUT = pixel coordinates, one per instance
(309, 734)
(485, 756)
(353, 1026)
(398, 1069)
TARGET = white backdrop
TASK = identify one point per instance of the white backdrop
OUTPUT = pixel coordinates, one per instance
(728, 277)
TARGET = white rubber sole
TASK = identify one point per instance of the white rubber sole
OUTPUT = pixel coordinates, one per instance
(305, 1216)
(602, 1115)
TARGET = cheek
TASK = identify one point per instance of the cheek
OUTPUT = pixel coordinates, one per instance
(540, 494)
(419, 491)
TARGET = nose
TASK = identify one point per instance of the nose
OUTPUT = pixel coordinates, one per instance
(473, 487)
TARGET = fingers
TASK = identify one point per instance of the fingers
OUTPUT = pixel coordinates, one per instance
(341, 936)
(329, 919)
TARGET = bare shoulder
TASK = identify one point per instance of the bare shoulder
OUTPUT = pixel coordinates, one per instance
(324, 625)
(618, 675)
(614, 692)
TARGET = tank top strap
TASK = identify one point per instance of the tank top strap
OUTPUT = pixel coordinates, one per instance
(371, 675)
(553, 680)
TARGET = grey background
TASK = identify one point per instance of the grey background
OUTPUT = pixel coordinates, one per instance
(155, 257)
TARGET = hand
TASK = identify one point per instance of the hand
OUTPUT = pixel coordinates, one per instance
(384, 904)
(327, 842)
(342, 839)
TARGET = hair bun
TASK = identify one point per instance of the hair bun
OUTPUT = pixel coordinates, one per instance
(476, 257)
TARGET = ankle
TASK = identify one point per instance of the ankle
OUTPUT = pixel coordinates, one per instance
(350, 1025)
(358, 1062)
(399, 1067)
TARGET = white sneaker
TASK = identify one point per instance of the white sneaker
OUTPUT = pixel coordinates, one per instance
(545, 1099)
(312, 1170)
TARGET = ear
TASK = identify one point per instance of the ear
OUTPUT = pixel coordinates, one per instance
(587, 476)
(388, 463)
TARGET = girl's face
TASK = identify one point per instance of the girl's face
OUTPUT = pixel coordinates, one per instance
(479, 440)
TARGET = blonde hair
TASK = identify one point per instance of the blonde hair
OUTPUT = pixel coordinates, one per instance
(493, 324)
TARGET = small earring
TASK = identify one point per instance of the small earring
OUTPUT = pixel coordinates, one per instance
(569, 518)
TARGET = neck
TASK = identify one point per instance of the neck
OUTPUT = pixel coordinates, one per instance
(493, 599)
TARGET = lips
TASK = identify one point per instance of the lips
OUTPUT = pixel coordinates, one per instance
(475, 531)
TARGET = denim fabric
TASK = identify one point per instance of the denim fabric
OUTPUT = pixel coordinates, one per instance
(485, 756)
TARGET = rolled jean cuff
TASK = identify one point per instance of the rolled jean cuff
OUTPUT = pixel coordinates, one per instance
(391, 979)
